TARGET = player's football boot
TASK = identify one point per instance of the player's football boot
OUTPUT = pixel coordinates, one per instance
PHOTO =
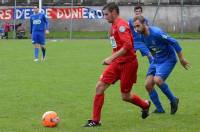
(91, 123)
(35, 60)
(145, 112)
(174, 106)
(158, 112)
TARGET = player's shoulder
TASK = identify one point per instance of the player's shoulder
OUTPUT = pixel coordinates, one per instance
(122, 22)
(122, 25)
(42, 14)
(156, 30)
(130, 19)
(32, 15)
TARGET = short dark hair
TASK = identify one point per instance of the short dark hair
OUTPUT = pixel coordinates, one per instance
(36, 6)
(138, 7)
(111, 6)
(140, 18)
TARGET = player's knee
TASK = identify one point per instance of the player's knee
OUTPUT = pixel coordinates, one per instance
(100, 88)
(158, 80)
(148, 87)
(125, 98)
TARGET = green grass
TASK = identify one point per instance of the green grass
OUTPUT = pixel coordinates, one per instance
(66, 82)
(104, 34)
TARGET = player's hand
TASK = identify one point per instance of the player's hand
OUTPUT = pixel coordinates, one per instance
(185, 63)
(47, 31)
(107, 61)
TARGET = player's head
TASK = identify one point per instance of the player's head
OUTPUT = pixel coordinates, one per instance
(111, 12)
(137, 10)
(139, 24)
(36, 9)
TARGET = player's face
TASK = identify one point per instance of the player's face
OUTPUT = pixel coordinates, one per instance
(108, 16)
(139, 27)
(138, 12)
(35, 9)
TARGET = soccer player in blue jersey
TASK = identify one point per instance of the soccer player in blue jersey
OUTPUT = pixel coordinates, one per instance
(138, 44)
(164, 49)
(38, 27)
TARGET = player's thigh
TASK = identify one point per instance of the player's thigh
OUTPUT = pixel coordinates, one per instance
(151, 70)
(41, 38)
(34, 38)
(110, 74)
(163, 70)
(128, 76)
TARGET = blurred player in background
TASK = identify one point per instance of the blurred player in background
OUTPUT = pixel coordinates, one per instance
(138, 44)
(38, 27)
(121, 65)
(163, 48)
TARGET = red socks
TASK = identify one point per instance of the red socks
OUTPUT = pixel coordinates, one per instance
(97, 105)
(139, 102)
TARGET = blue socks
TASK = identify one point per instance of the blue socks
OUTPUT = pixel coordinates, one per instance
(36, 53)
(155, 99)
(165, 89)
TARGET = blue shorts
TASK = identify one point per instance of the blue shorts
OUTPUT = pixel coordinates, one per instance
(161, 69)
(142, 47)
(38, 37)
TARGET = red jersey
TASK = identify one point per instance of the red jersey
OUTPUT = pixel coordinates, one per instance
(121, 37)
(6, 27)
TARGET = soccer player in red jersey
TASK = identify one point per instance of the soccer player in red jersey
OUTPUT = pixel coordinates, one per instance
(121, 65)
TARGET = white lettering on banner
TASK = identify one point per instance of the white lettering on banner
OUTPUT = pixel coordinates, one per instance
(48, 11)
(8, 14)
(27, 13)
(23, 13)
(53, 13)
(74, 13)
(91, 14)
(63, 14)
(85, 12)
(18, 14)
(99, 14)
(1, 14)
(5, 14)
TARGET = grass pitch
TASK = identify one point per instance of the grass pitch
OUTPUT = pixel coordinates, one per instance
(65, 83)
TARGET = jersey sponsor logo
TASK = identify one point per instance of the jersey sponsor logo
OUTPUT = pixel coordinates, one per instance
(164, 36)
(113, 42)
(37, 22)
(154, 50)
(122, 29)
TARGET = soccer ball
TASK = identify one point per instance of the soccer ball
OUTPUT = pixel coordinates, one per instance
(50, 119)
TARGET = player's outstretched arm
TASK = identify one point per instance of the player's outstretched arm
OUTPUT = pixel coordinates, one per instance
(183, 61)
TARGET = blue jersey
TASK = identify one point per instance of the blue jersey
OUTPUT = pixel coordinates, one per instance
(38, 22)
(161, 46)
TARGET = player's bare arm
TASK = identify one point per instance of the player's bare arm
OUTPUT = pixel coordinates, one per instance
(183, 61)
(110, 59)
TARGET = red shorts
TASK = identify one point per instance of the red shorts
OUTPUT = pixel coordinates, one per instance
(125, 72)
